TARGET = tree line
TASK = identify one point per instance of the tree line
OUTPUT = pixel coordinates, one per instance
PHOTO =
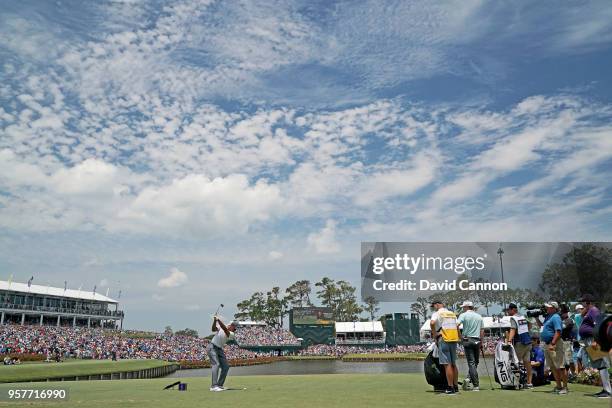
(586, 268)
(274, 305)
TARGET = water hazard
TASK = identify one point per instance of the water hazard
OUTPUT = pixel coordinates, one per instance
(330, 367)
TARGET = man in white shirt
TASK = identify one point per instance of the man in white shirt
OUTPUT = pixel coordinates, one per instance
(216, 354)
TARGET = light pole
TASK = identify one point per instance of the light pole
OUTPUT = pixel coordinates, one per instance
(500, 252)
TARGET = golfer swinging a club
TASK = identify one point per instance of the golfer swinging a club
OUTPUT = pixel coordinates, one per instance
(217, 355)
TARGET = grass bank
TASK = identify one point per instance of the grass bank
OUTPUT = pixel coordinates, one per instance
(42, 371)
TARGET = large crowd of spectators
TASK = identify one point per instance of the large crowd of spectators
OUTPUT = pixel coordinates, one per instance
(340, 350)
(95, 343)
(106, 344)
(265, 336)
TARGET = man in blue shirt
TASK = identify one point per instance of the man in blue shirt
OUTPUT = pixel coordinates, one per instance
(537, 363)
(553, 349)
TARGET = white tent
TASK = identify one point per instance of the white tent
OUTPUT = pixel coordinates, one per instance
(359, 333)
(359, 327)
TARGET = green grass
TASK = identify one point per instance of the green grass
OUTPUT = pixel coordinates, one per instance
(40, 371)
(307, 391)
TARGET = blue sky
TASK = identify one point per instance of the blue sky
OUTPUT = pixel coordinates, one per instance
(191, 153)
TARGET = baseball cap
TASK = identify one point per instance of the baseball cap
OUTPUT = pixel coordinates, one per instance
(579, 306)
(467, 303)
(551, 304)
(436, 301)
(512, 306)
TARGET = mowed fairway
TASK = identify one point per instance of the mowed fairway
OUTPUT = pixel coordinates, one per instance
(308, 391)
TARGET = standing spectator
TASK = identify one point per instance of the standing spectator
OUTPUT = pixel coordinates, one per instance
(520, 338)
(578, 319)
(443, 326)
(472, 336)
(553, 351)
(591, 316)
(568, 335)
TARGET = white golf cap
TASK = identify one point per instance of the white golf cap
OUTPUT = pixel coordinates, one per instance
(579, 306)
(551, 304)
(467, 303)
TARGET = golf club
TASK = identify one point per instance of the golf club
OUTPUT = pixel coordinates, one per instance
(217, 312)
(486, 367)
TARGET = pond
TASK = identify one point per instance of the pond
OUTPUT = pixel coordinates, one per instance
(330, 367)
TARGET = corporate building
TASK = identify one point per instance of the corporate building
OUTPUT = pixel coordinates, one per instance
(30, 304)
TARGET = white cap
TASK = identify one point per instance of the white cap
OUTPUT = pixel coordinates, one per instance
(551, 304)
(467, 303)
(579, 306)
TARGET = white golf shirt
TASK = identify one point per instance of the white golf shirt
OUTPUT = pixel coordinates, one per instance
(220, 338)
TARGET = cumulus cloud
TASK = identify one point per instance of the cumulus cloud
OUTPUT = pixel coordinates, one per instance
(200, 206)
(175, 279)
(324, 241)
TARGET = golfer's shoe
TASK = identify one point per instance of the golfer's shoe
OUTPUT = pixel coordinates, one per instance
(450, 391)
(562, 391)
(602, 394)
(476, 389)
(529, 386)
(216, 389)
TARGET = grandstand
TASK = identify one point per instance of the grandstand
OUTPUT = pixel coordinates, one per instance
(360, 333)
(28, 304)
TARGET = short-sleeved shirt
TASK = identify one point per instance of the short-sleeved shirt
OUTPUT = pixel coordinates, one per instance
(552, 323)
(568, 332)
(220, 338)
(577, 323)
(435, 317)
(472, 323)
(537, 354)
(588, 322)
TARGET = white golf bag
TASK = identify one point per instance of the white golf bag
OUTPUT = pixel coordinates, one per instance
(509, 373)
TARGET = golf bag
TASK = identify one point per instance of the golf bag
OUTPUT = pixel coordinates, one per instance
(434, 373)
(509, 373)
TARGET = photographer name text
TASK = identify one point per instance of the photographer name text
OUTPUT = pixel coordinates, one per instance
(424, 284)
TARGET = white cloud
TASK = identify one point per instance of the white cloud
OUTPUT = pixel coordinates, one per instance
(200, 206)
(393, 183)
(324, 241)
(90, 176)
(275, 255)
(175, 279)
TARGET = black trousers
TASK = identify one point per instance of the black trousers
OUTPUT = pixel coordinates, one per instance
(471, 346)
